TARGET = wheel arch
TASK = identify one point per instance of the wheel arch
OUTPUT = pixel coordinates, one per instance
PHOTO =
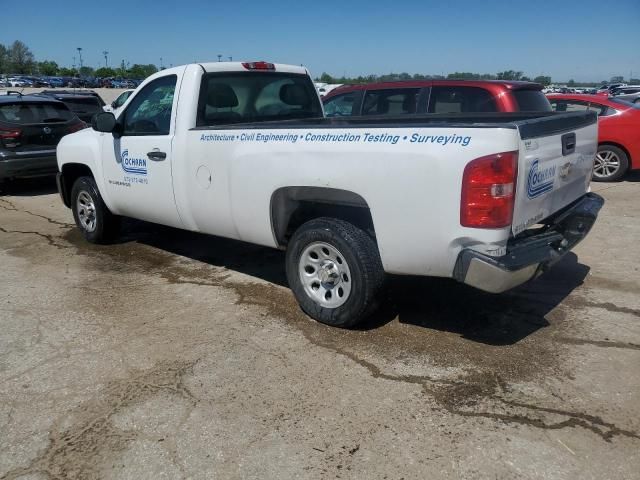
(294, 205)
(69, 173)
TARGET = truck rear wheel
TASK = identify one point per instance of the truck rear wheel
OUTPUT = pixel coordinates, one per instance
(335, 272)
(93, 218)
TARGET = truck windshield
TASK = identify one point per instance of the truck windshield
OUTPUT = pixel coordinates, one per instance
(531, 101)
(245, 97)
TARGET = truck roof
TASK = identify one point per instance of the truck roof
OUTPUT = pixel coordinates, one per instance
(239, 67)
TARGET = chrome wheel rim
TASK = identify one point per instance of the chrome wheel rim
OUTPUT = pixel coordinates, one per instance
(325, 275)
(86, 211)
(607, 163)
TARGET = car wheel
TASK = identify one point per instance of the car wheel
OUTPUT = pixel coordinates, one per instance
(335, 272)
(93, 218)
(611, 164)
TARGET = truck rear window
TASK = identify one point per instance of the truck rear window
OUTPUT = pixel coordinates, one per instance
(240, 97)
(24, 113)
(461, 100)
(531, 101)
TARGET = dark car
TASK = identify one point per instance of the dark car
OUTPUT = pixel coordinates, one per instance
(84, 104)
(30, 128)
(435, 96)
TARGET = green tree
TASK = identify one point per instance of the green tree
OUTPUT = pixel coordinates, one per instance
(87, 71)
(4, 59)
(571, 83)
(509, 75)
(67, 72)
(20, 58)
(544, 80)
(326, 78)
(103, 72)
(617, 79)
(48, 68)
(142, 71)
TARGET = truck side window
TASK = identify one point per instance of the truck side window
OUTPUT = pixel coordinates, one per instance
(340, 105)
(397, 101)
(461, 100)
(149, 113)
(239, 97)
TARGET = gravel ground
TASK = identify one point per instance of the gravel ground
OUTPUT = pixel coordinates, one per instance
(177, 355)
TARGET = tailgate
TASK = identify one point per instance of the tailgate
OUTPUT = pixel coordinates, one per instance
(555, 163)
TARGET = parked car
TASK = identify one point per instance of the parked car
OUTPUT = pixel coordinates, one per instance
(630, 93)
(18, 82)
(56, 82)
(117, 104)
(241, 150)
(607, 87)
(30, 128)
(618, 132)
(435, 96)
(84, 105)
(76, 92)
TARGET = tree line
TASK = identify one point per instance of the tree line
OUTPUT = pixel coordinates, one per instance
(18, 59)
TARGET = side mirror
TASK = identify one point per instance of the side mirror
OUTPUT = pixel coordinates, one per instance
(103, 122)
(113, 104)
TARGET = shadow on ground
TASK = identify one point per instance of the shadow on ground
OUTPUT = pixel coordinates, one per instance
(29, 187)
(430, 303)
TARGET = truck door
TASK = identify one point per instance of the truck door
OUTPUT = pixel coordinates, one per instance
(137, 165)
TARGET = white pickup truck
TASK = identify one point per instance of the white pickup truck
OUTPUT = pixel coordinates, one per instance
(242, 150)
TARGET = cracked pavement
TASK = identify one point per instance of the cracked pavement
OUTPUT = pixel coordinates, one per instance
(176, 355)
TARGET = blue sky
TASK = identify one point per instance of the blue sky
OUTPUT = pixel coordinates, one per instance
(585, 40)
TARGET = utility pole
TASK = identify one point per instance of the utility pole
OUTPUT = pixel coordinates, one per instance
(80, 55)
(74, 62)
(106, 61)
(161, 67)
(219, 57)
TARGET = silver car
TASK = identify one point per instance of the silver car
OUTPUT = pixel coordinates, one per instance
(630, 93)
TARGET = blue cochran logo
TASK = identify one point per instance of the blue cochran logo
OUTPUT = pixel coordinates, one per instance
(135, 166)
(539, 181)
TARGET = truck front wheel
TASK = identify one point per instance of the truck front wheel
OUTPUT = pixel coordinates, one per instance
(93, 218)
(335, 272)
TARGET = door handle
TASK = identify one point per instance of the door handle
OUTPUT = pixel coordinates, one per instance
(156, 155)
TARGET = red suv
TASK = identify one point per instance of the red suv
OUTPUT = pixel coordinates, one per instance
(435, 96)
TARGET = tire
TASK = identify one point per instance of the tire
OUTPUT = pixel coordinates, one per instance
(93, 218)
(611, 164)
(331, 255)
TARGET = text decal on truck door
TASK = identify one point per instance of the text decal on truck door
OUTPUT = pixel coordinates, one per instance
(136, 166)
(540, 181)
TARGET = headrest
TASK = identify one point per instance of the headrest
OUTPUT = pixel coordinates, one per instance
(221, 95)
(293, 94)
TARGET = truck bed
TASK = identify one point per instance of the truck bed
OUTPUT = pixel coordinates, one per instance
(530, 124)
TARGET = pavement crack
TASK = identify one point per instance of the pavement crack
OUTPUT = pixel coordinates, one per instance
(78, 451)
(48, 237)
(599, 343)
(7, 205)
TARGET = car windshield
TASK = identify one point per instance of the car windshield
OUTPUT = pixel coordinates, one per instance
(531, 101)
(24, 113)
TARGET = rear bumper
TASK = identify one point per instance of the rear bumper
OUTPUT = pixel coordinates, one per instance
(27, 165)
(532, 252)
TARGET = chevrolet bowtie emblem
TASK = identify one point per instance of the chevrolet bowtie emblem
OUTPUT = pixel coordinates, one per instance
(565, 170)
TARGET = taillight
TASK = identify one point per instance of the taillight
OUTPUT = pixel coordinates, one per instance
(10, 137)
(488, 191)
(258, 66)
